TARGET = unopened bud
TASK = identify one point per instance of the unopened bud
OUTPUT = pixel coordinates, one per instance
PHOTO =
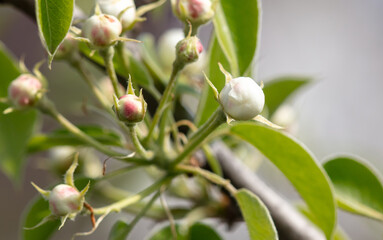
(242, 98)
(188, 50)
(65, 199)
(124, 10)
(197, 12)
(24, 91)
(130, 108)
(102, 30)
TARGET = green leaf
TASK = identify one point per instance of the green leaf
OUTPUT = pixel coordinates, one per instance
(236, 26)
(257, 217)
(278, 90)
(15, 128)
(63, 137)
(54, 19)
(200, 231)
(298, 165)
(165, 233)
(139, 72)
(207, 104)
(37, 211)
(358, 187)
(118, 231)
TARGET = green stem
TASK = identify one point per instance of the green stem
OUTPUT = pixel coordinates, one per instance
(47, 107)
(107, 55)
(199, 136)
(118, 206)
(164, 99)
(214, 178)
(136, 142)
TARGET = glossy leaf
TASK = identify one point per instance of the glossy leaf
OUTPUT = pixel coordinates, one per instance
(237, 27)
(37, 210)
(63, 137)
(257, 217)
(207, 104)
(358, 188)
(118, 231)
(15, 128)
(200, 231)
(54, 19)
(165, 233)
(278, 90)
(298, 165)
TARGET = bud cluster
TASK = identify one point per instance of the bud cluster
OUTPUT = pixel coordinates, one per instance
(25, 91)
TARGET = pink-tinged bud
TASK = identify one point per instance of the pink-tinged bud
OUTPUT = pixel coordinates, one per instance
(24, 91)
(102, 30)
(125, 10)
(65, 199)
(67, 48)
(188, 50)
(197, 12)
(242, 98)
(130, 108)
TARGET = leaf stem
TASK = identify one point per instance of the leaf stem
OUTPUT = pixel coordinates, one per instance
(214, 178)
(107, 55)
(199, 136)
(136, 142)
(118, 206)
(48, 107)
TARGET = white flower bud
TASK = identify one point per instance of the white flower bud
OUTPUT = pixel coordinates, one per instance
(197, 12)
(65, 199)
(24, 91)
(115, 7)
(242, 98)
(102, 30)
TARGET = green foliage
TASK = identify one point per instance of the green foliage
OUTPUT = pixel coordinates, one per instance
(35, 213)
(298, 165)
(278, 90)
(118, 231)
(237, 26)
(63, 137)
(54, 19)
(256, 215)
(15, 128)
(198, 231)
(358, 188)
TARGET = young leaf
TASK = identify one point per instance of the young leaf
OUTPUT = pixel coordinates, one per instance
(298, 165)
(207, 104)
(278, 90)
(166, 233)
(63, 137)
(54, 19)
(37, 210)
(256, 215)
(15, 128)
(200, 231)
(118, 231)
(237, 26)
(358, 188)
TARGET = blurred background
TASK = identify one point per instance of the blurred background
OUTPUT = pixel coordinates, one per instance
(337, 43)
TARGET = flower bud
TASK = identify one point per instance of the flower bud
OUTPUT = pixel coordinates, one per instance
(198, 12)
(188, 50)
(124, 10)
(65, 199)
(24, 91)
(130, 108)
(242, 98)
(102, 30)
(67, 48)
